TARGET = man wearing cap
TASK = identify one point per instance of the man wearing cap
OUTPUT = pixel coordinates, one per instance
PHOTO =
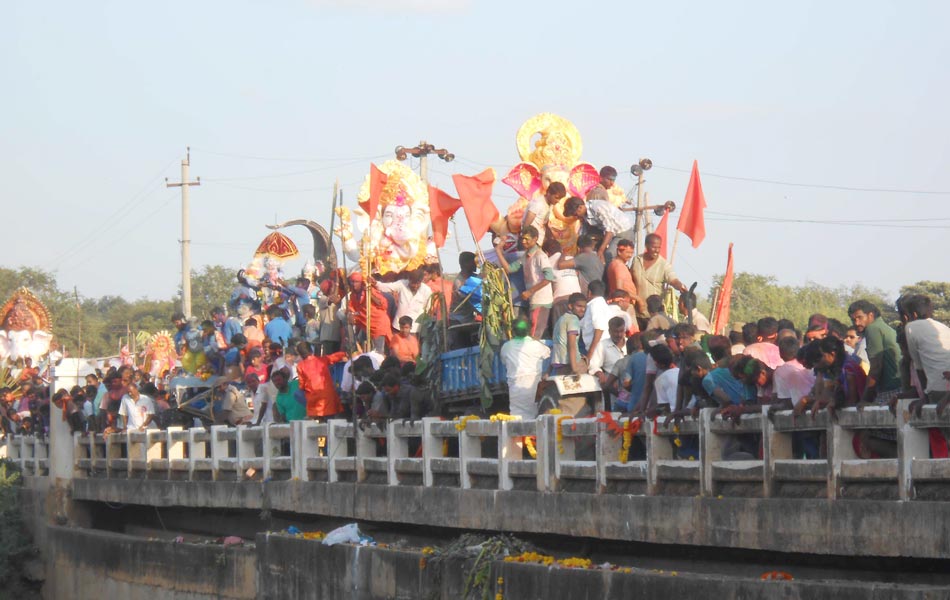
(523, 357)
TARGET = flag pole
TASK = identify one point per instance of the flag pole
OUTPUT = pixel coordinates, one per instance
(676, 238)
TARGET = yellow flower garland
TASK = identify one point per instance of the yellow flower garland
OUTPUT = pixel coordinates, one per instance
(560, 433)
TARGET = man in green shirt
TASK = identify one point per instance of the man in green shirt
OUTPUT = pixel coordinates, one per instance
(288, 406)
(884, 380)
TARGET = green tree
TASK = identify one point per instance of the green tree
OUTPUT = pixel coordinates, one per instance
(210, 287)
(939, 293)
(755, 296)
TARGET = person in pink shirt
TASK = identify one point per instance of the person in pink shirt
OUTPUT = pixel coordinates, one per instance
(765, 348)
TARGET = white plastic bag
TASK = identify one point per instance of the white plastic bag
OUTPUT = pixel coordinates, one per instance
(342, 535)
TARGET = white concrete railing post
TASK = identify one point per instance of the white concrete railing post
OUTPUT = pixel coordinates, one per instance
(711, 451)
(220, 453)
(175, 440)
(274, 435)
(337, 448)
(509, 449)
(431, 448)
(470, 449)
(199, 453)
(912, 444)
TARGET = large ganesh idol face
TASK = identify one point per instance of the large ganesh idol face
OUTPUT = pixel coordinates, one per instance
(551, 174)
(397, 223)
(399, 232)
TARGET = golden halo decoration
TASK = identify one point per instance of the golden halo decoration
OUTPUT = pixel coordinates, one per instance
(24, 312)
(560, 142)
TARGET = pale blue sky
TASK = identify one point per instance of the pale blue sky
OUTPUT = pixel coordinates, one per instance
(101, 98)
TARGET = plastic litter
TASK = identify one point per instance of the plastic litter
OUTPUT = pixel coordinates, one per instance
(293, 530)
(348, 534)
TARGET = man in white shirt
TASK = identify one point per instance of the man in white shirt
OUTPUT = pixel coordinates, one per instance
(667, 380)
(928, 344)
(523, 357)
(265, 396)
(138, 410)
(595, 320)
(608, 352)
(411, 297)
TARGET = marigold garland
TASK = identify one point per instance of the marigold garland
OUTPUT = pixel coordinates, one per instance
(445, 447)
(498, 417)
(548, 561)
(630, 429)
(560, 433)
(529, 444)
(460, 425)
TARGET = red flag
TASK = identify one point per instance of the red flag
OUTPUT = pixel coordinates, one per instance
(441, 208)
(475, 195)
(377, 181)
(691, 217)
(721, 317)
(661, 231)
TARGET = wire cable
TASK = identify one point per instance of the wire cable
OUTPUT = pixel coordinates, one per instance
(810, 185)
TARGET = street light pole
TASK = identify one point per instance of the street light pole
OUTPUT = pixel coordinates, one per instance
(185, 233)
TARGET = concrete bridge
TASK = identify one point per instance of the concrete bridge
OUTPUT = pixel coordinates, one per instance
(879, 528)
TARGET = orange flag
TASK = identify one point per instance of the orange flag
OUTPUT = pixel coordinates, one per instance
(441, 208)
(377, 180)
(721, 318)
(475, 195)
(691, 217)
(660, 230)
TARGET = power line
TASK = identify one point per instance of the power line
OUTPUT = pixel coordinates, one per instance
(815, 222)
(71, 261)
(286, 159)
(294, 173)
(281, 190)
(810, 185)
(104, 225)
(829, 221)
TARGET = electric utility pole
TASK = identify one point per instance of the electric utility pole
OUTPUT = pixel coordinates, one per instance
(184, 184)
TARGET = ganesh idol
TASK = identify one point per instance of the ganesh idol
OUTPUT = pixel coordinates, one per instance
(398, 237)
(550, 149)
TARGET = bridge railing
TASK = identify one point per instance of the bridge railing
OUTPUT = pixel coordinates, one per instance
(761, 455)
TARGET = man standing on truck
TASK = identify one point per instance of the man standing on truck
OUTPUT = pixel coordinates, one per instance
(523, 357)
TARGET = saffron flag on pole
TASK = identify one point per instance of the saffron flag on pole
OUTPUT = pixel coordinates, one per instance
(721, 318)
(691, 217)
(475, 196)
(661, 230)
(441, 208)
(377, 181)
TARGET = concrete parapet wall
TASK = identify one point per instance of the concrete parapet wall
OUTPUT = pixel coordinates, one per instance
(858, 528)
(85, 563)
(295, 568)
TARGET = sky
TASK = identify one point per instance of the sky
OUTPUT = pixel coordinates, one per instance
(845, 100)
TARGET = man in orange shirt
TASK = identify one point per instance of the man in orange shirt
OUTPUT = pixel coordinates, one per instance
(618, 274)
(404, 345)
(316, 383)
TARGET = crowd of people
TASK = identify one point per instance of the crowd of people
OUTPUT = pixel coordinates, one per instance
(598, 310)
